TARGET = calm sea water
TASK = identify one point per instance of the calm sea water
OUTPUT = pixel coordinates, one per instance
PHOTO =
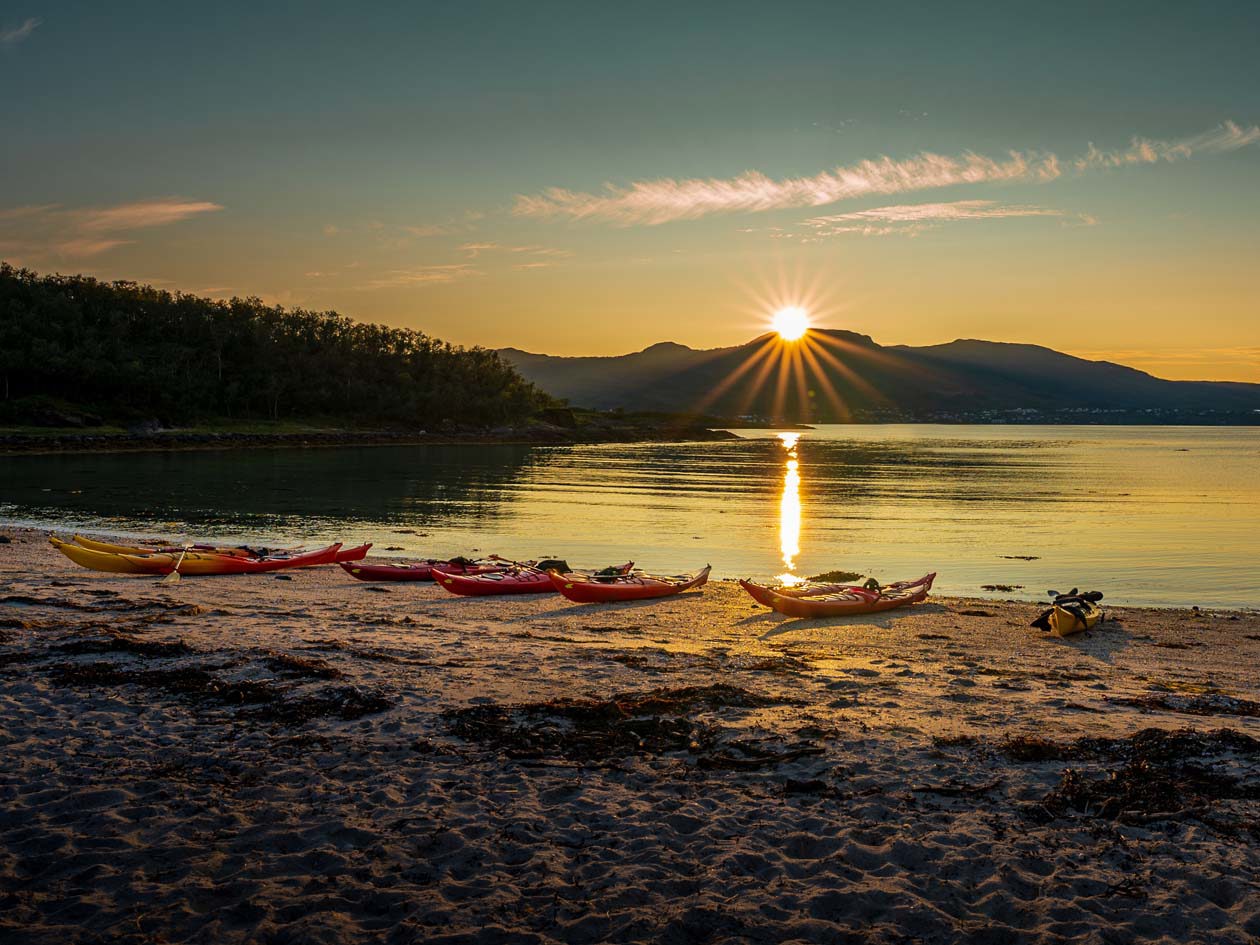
(1150, 515)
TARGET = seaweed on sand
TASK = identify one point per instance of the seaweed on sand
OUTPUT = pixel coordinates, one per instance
(111, 641)
(1143, 789)
(1202, 704)
(184, 681)
(652, 722)
(307, 666)
(777, 665)
(746, 754)
(1151, 744)
(343, 702)
(266, 701)
(1154, 774)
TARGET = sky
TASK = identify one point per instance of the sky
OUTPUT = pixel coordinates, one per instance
(578, 178)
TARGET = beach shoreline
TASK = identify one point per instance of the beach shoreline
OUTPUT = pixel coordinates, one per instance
(302, 757)
(32, 444)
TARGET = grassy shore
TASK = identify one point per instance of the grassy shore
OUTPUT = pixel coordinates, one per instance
(578, 427)
(306, 758)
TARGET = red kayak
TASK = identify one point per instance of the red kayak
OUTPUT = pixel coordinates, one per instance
(600, 588)
(516, 579)
(844, 603)
(419, 571)
(353, 554)
(763, 593)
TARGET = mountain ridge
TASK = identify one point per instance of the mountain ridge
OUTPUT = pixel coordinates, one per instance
(835, 375)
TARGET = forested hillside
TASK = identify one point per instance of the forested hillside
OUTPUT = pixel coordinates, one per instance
(121, 352)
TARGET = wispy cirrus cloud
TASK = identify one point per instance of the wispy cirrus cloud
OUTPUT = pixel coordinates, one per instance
(663, 201)
(14, 35)
(543, 251)
(416, 276)
(1225, 137)
(654, 202)
(51, 231)
(912, 219)
(476, 249)
(142, 214)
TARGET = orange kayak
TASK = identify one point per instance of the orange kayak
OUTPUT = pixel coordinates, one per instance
(846, 602)
(764, 593)
(599, 588)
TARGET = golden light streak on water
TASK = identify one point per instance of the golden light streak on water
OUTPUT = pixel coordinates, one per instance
(790, 510)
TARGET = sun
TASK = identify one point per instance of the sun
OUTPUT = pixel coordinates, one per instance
(791, 322)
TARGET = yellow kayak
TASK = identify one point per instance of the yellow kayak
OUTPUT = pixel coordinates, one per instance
(111, 561)
(94, 545)
(193, 562)
(145, 563)
(1074, 618)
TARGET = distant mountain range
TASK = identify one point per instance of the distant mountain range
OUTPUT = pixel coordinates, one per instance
(839, 376)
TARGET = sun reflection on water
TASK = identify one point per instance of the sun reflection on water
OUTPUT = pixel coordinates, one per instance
(790, 510)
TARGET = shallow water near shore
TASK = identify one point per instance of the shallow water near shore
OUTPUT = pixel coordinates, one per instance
(1151, 515)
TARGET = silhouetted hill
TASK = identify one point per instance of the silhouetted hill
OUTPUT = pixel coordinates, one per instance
(76, 351)
(841, 375)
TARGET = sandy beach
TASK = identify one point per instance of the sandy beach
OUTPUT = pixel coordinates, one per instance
(303, 758)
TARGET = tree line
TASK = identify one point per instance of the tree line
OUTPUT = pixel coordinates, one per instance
(128, 351)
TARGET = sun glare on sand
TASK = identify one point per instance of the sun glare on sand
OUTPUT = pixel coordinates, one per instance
(791, 323)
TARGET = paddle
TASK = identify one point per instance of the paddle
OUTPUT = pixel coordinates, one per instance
(173, 577)
(1075, 594)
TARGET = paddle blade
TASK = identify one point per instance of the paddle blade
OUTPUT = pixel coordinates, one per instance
(173, 577)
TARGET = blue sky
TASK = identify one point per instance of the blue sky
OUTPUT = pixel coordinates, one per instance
(397, 162)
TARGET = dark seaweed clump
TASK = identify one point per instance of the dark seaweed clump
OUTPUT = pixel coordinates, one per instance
(265, 700)
(342, 702)
(114, 642)
(194, 682)
(1153, 774)
(1205, 704)
(591, 730)
(835, 577)
(1145, 788)
(307, 666)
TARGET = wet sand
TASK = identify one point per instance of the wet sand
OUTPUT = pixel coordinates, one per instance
(305, 758)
